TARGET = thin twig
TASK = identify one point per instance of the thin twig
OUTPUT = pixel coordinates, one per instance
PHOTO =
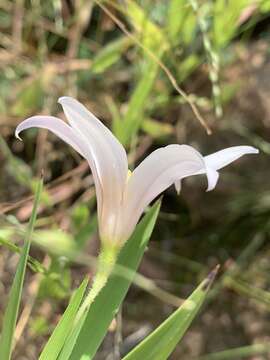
(83, 12)
(17, 26)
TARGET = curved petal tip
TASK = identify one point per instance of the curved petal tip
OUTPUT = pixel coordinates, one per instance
(17, 132)
(64, 99)
(254, 150)
(212, 177)
(224, 157)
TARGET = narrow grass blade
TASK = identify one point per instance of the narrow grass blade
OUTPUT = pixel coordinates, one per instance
(71, 340)
(110, 54)
(243, 352)
(11, 313)
(33, 264)
(149, 33)
(134, 114)
(177, 13)
(153, 39)
(63, 328)
(157, 129)
(104, 308)
(225, 20)
(161, 342)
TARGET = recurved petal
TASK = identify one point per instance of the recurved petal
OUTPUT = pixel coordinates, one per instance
(110, 159)
(178, 185)
(156, 173)
(58, 127)
(212, 177)
(67, 134)
(224, 157)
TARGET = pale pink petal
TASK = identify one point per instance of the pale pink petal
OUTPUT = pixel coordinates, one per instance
(110, 159)
(170, 165)
(224, 157)
(156, 173)
(58, 127)
(178, 185)
(67, 134)
(212, 176)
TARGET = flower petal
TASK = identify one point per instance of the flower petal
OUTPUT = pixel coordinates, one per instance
(212, 176)
(170, 165)
(89, 125)
(110, 160)
(157, 172)
(224, 157)
(58, 127)
(67, 134)
(178, 185)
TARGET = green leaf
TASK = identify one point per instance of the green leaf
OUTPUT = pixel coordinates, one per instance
(11, 313)
(71, 340)
(149, 33)
(157, 129)
(161, 342)
(177, 12)
(265, 6)
(107, 302)
(110, 54)
(243, 352)
(115, 114)
(57, 282)
(39, 326)
(34, 264)
(151, 37)
(134, 114)
(187, 66)
(15, 166)
(61, 331)
(29, 99)
(56, 242)
(225, 20)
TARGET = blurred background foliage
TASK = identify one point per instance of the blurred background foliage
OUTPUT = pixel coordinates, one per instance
(156, 72)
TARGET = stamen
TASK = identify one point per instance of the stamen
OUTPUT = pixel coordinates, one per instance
(129, 173)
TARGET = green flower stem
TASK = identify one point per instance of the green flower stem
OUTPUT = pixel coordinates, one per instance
(106, 261)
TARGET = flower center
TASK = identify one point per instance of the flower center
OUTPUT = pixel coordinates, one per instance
(129, 173)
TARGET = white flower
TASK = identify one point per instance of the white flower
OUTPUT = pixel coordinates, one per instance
(121, 199)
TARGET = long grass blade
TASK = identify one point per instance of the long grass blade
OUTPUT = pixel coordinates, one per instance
(63, 328)
(11, 313)
(161, 342)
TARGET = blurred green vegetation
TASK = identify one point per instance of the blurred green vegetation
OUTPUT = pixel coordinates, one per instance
(153, 71)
